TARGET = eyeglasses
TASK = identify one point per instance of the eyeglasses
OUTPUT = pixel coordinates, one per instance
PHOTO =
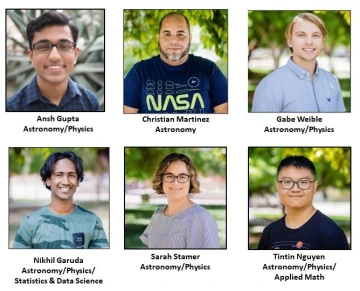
(182, 178)
(302, 185)
(42, 47)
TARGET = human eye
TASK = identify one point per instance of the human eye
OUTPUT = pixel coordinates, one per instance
(304, 183)
(183, 177)
(58, 175)
(72, 176)
(287, 182)
(43, 46)
(181, 35)
(65, 46)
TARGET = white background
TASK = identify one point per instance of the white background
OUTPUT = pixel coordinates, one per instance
(233, 269)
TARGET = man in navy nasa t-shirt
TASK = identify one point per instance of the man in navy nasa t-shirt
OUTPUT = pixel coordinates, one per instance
(175, 81)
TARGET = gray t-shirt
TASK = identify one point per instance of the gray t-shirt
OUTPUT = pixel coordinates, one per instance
(193, 228)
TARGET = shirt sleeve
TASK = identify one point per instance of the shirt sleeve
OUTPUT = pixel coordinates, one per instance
(341, 105)
(132, 88)
(263, 243)
(98, 240)
(202, 233)
(336, 240)
(218, 87)
(266, 98)
(23, 238)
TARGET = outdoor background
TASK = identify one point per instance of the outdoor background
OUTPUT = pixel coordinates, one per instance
(209, 30)
(268, 50)
(89, 70)
(333, 197)
(141, 201)
(27, 192)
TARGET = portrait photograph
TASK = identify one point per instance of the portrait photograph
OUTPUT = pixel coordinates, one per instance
(175, 198)
(176, 61)
(55, 60)
(299, 61)
(59, 198)
(300, 198)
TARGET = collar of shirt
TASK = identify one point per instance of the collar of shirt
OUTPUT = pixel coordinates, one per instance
(33, 93)
(300, 71)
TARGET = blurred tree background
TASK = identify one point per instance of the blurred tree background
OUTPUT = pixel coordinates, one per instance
(141, 201)
(89, 70)
(142, 26)
(27, 192)
(267, 44)
(333, 172)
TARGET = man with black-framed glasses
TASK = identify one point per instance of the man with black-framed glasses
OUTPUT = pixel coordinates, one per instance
(53, 53)
(303, 227)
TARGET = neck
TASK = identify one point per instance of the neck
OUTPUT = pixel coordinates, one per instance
(61, 207)
(176, 206)
(297, 217)
(53, 92)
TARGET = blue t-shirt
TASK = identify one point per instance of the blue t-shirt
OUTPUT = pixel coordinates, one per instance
(318, 233)
(291, 89)
(196, 86)
(76, 98)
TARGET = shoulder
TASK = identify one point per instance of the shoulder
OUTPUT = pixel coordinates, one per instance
(36, 216)
(82, 211)
(197, 212)
(327, 74)
(148, 62)
(14, 102)
(85, 93)
(274, 225)
(277, 75)
(326, 222)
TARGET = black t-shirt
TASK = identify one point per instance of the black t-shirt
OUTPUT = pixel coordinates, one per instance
(318, 233)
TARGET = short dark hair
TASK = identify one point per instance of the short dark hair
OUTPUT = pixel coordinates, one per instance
(165, 163)
(48, 167)
(297, 162)
(172, 14)
(50, 18)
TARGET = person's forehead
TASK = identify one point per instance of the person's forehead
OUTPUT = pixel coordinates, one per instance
(64, 165)
(176, 167)
(174, 22)
(53, 33)
(294, 172)
(305, 25)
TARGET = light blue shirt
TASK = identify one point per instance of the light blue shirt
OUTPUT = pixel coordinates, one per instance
(290, 89)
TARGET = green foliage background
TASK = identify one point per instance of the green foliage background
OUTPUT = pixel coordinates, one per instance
(141, 163)
(141, 28)
(333, 167)
(89, 70)
(30, 160)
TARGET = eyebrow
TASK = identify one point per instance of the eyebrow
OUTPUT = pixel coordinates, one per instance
(167, 31)
(302, 178)
(46, 40)
(175, 175)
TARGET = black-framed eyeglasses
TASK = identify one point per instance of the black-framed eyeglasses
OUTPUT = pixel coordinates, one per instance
(45, 47)
(302, 185)
(182, 178)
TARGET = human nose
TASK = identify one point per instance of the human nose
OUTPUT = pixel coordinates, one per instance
(309, 40)
(65, 180)
(54, 53)
(174, 39)
(297, 186)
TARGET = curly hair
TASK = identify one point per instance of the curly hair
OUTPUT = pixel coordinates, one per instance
(165, 163)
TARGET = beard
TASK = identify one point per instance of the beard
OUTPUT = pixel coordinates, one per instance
(174, 57)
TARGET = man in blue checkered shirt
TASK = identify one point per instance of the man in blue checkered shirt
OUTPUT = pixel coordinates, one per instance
(53, 53)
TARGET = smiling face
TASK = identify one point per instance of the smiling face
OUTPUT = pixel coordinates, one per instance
(63, 181)
(174, 40)
(175, 189)
(306, 41)
(296, 198)
(53, 68)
